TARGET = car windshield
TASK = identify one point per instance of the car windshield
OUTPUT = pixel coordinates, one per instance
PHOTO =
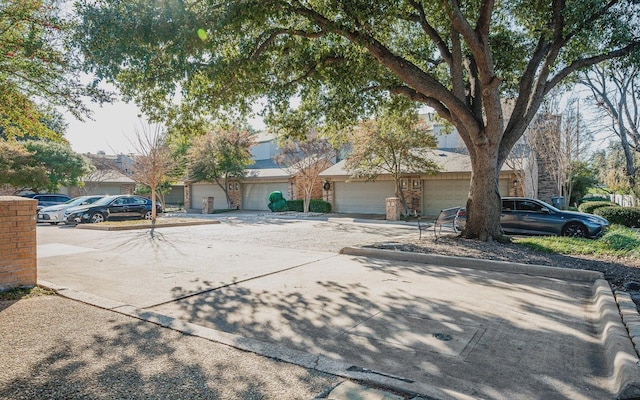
(549, 206)
(103, 201)
(77, 201)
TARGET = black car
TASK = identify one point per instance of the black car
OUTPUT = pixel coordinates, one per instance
(526, 216)
(111, 207)
(48, 199)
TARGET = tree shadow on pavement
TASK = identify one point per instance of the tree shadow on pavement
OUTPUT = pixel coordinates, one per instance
(88, 353)
(526, 337)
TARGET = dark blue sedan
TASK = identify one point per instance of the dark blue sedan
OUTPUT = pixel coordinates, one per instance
(525, 216)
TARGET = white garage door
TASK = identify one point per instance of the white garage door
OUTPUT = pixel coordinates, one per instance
(440, 194)
(255, 196)
(201, 190)
(363, 197)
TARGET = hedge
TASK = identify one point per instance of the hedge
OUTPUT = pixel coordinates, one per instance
(594, 198)
(590, 206)
(627, 216)
(316, 205)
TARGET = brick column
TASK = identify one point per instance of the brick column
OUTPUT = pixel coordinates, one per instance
(18, 263)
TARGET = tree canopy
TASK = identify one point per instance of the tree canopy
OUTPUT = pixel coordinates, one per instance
(41, 165)
(341, 58)
(395, 142)
(219, 155)
(38, 69)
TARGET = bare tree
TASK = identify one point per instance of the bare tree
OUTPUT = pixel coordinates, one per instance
(615, 90)
(305, 159)
(561, 139)
(153, 160)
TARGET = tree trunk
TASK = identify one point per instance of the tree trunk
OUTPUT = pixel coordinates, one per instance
(153, 203)
(484, 204)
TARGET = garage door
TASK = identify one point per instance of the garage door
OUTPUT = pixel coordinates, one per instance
(255, 196)
(363, 197)
(440, 194)
(201, 190)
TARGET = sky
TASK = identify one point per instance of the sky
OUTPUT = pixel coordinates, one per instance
(111, 130)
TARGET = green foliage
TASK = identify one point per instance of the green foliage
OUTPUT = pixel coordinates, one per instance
(315, 206)
(344, 59)
(17, 168)
(619, 241)
(219, 155)
(591, 206)
(41, 165)
(319, 206)
(395, 142)
(594, 198)
(20, 293)
(583, 177)
(627, 216)
(38, 67)
(277, 202)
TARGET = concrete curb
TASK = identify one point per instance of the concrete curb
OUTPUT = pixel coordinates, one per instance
(465, 262)
(630, 316)
(621, 358)
(98, 227)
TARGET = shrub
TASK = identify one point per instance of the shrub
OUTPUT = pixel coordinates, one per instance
(316, 205)
(627, 216)
(591, 206)
(295, 205)
(594, 198)
(319, 206)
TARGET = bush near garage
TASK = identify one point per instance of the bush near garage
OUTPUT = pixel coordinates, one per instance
(316, 205)
(590, 206)
(627, 216)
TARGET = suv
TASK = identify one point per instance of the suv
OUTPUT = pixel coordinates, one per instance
(526, 216)
(48, 199)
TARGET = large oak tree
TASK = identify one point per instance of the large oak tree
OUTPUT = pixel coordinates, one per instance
(341, 57)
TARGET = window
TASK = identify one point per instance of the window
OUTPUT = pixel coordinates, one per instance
(526, 205)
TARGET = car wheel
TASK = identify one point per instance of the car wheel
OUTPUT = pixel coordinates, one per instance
(148, 215)
(96, 218)
(575, 229)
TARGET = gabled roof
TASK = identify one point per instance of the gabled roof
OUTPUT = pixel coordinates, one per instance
(109, 176)
(450, 162)
(265, 169)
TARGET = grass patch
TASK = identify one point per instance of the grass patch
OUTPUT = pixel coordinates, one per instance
(619, 241)
(25, 293)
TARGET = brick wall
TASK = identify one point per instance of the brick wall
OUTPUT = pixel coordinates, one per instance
(18, 264)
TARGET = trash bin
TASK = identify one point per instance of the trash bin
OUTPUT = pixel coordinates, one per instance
(558, 201)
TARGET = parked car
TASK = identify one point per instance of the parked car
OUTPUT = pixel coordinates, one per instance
(111, 207)
(48, 199)
(534, 217)
(55, 214)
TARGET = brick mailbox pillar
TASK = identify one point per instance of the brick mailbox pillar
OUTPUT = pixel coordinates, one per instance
(18, 263)
(393, 208)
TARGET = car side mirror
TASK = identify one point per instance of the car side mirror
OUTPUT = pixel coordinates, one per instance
(545, 210)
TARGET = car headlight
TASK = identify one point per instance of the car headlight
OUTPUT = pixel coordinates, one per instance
(597, 220)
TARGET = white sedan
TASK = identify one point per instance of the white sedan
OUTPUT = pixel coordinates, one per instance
(55, 214)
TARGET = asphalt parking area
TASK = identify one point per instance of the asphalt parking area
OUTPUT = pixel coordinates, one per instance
(446, 332)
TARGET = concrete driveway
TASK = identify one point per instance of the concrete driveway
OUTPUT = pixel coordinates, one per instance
(278, 287)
